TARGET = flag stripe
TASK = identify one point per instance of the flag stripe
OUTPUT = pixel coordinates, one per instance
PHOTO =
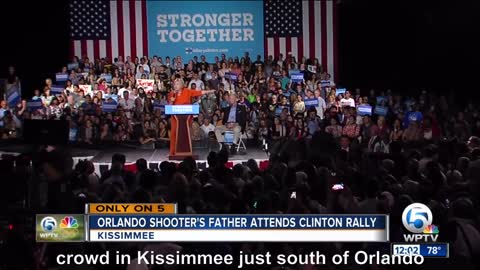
(300, 48)
(77, 48)
(318, 31)
(329, 37)
(265, 47)
(323, 26)
(103, 48)
(83, 48)
(112, 51)
(288, 45)
(282, 46)
(138, 27)
(127, 42)
(276, 47)
(89, 46)
(130, 21)
(294, 45)
(145, 27)
(270, 47)
(311, 29)
(96, 49)
(306, 23)
(335, 44)
(121, 37)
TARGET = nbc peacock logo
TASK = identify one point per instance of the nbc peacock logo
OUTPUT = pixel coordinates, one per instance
(69, 222)
(432, 229)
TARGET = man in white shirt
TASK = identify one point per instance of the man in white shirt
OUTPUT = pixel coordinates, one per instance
(195, 80)
(207, 127)
(140, 72)
(144, 64)
(347, 101)
(127, 103)
(120, 64)
(322, 106)
(129, 64)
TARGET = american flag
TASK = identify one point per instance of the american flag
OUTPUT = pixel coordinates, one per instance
(125, 33)
(309, 29)
(303, 28)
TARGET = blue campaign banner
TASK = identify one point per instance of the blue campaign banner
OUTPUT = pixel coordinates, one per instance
(210, 28)
(312, 102)
(56, 89)
(106, 77)
(238, 222)
(278, 110)
(341, 91)
(363, 110)
(325, 83)
(61, 77)
(381, 99)
(182, 109)
(13, 97)
(231, 76)
(381, 110)
(34, 105)
(72, 66)
(297, 77)
(109, 106)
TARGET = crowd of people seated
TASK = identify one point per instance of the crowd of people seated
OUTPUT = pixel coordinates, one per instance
(388, 149)
(270, 105)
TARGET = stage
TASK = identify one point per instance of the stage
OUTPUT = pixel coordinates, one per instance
(102, 158)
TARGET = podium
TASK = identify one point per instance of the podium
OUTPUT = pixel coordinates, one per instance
(182, 144)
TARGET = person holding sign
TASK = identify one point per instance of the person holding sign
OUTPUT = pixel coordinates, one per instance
(181, 96)
(347, 101)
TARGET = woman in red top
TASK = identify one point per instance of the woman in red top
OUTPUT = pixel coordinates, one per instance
(181, 96)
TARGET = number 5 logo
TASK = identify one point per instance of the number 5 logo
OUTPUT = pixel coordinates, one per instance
(416, 217)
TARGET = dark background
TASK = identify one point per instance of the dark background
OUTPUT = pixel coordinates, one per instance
(382, 44)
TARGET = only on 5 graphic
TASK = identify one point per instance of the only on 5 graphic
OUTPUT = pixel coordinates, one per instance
(417, 219)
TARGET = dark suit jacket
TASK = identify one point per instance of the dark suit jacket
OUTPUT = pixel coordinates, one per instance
(241, 115)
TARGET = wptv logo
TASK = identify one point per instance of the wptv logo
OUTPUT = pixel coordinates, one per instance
(53, 228)
(417, 219)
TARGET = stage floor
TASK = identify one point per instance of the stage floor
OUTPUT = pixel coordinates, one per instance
(159, 155)
(102, 158)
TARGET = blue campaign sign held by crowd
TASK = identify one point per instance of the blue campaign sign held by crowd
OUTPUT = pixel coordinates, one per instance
(210, 28)
(341, 91)
(312, 102)
(34, 105)
(363, 110)
(13, 96)
(381, 110)
(56, 89)
(297, 77)
(61, 77)
(109, 106)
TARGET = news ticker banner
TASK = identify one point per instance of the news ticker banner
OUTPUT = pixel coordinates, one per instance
(427, 250)
(238, 228)
(210, 28)
(160, 223)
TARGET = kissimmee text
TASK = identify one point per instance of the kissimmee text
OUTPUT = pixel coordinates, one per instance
(203, 27)
(312, 258)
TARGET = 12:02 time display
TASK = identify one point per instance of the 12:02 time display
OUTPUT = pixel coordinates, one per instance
(406, 250)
